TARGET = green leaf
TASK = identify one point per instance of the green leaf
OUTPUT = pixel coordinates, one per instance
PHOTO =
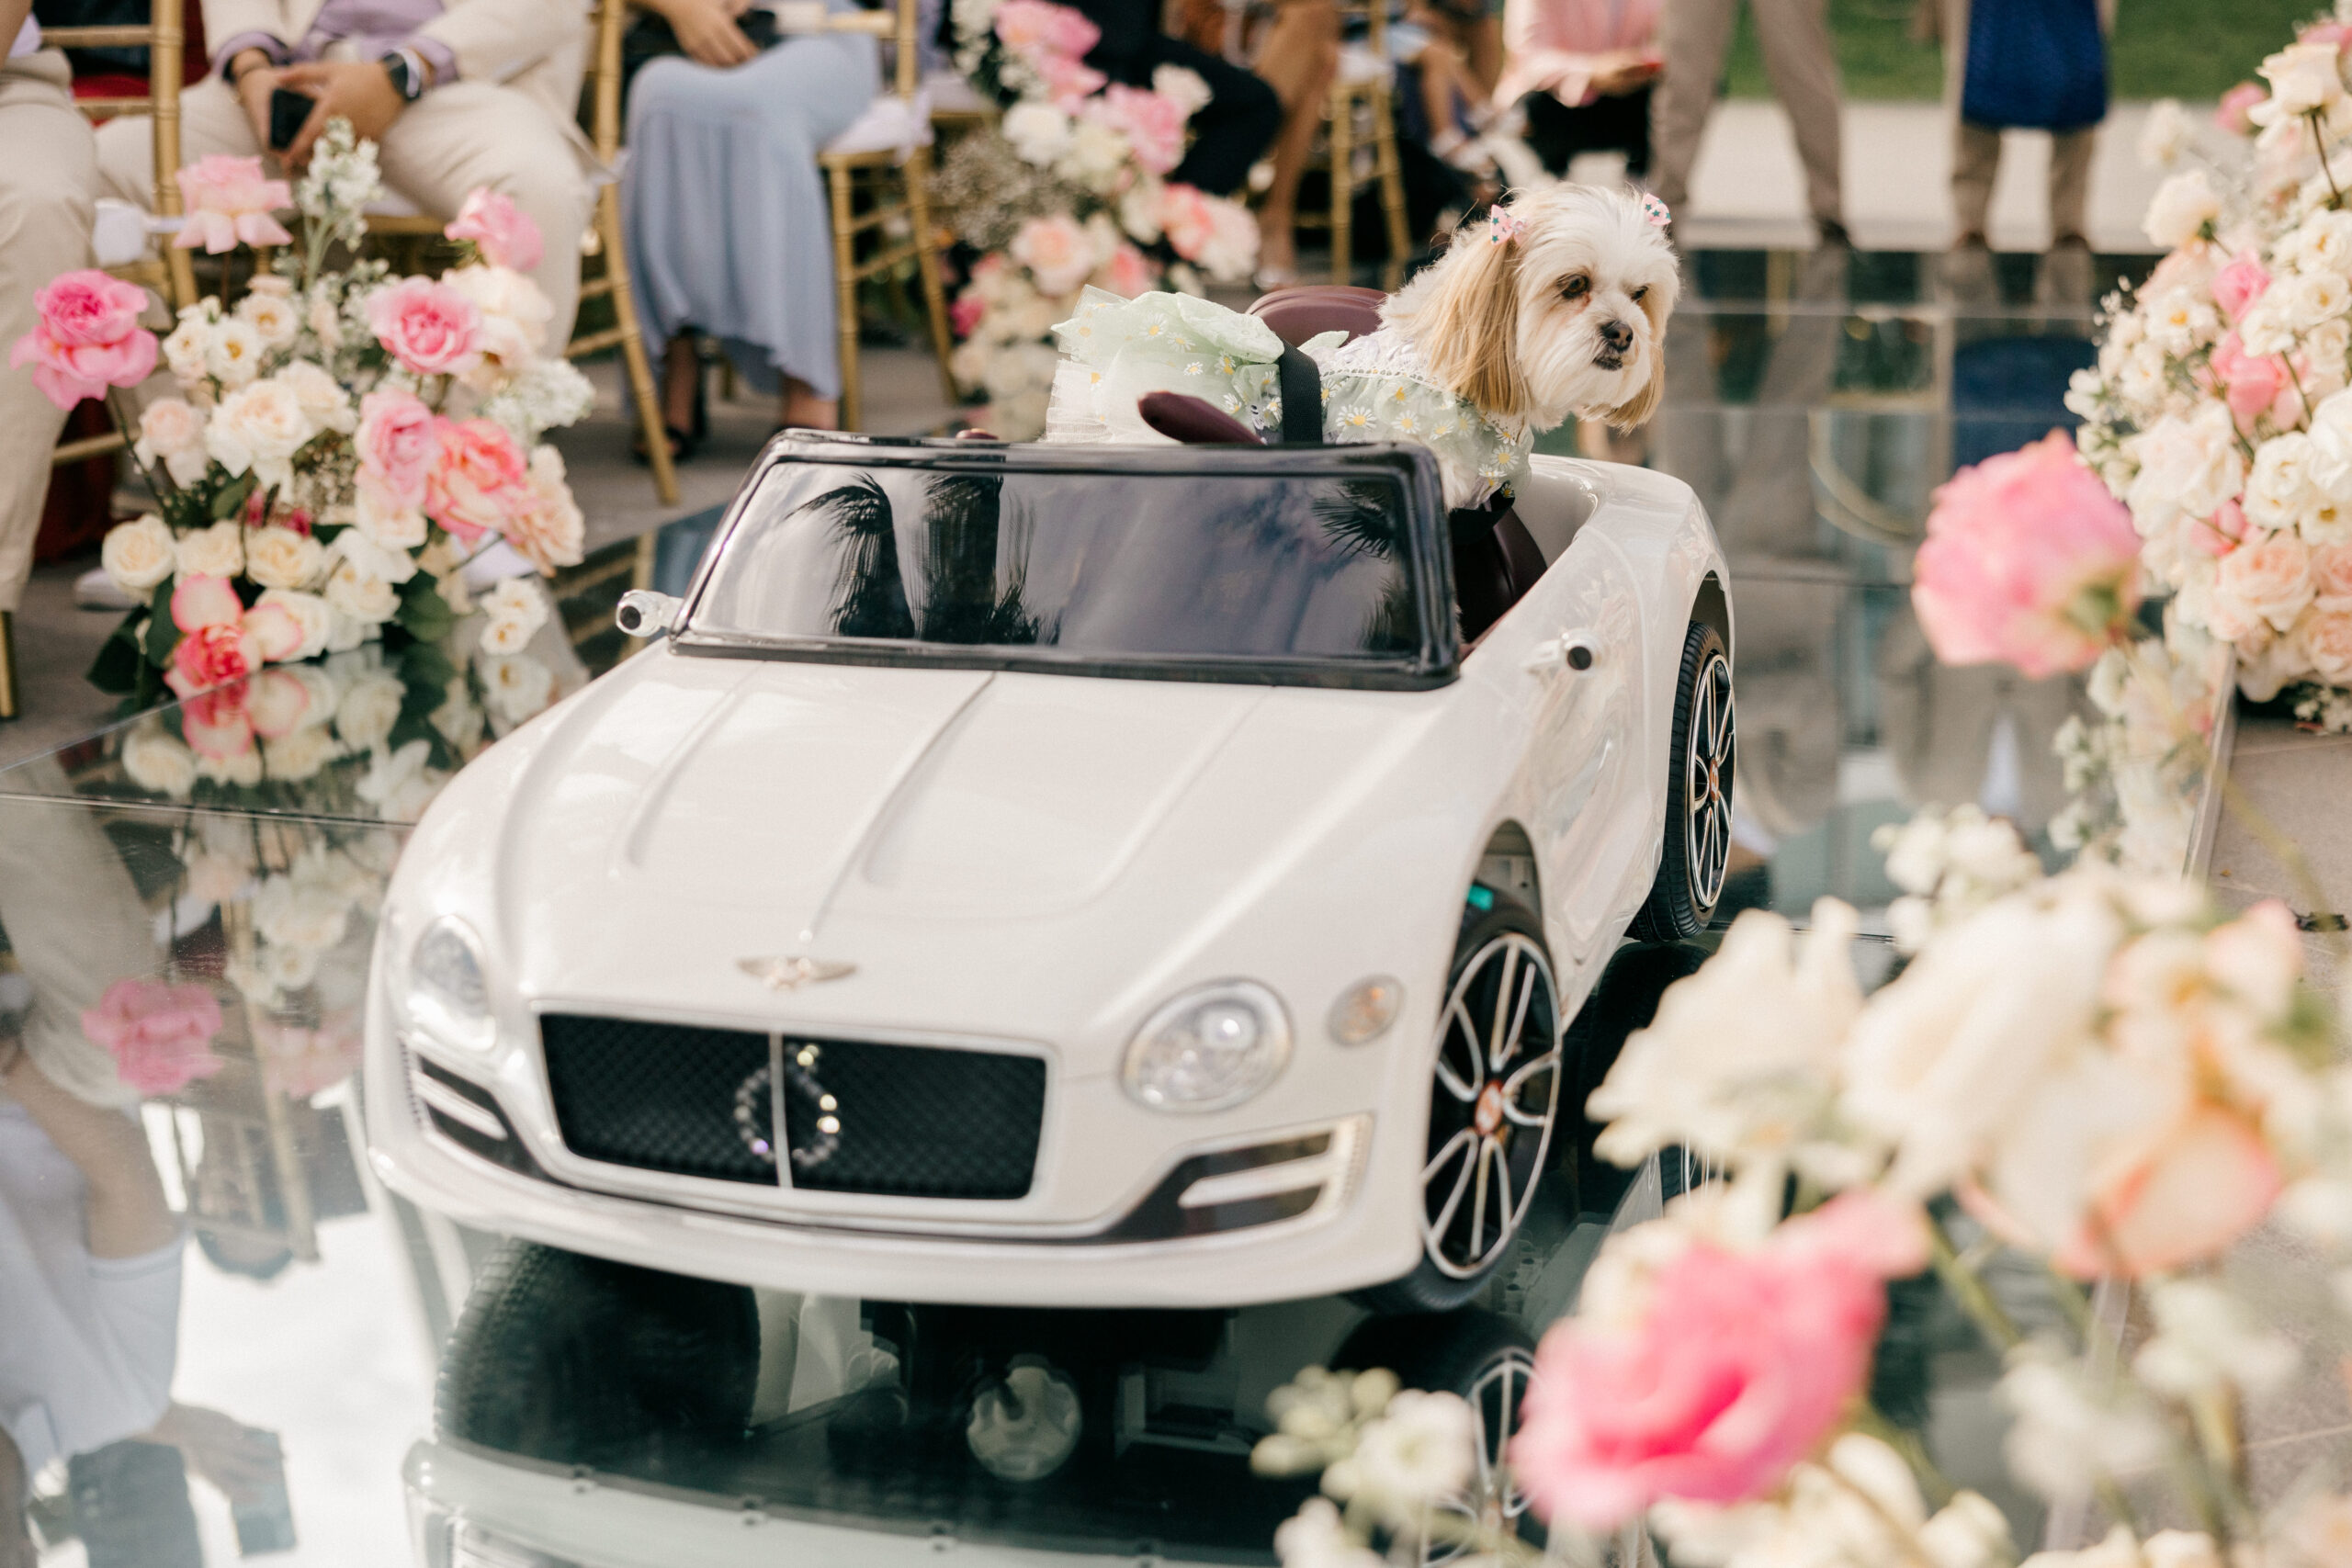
(422, 610)
(229, 498)
(424, 664)
(116, 669)
(163, 632)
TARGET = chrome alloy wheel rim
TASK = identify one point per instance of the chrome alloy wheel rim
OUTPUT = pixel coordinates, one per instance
(1491, 1500)
(1706, 784)
(1492, 1105)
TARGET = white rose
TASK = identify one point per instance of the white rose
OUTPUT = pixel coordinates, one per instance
(185, 349)
(365, 598)
(393, 526)
(2182, 205)
(2280, 489)
(2331, 433)
(2322, 243)
(2308, 299)
(372, 559)
(504, 634)
(1038, 132)
(322, 397)
(290, 913)
(346, 632)
(369, 710)
(2322, 639)
(515, 317)
(2186, 465)
(171, 432)
(217, 551)
(298, 756)
(271, 314)
(233, 351)
(2269, 577)
(1189, 88)
(2165, 134)
(309, 613)
(242, 770)
(516, 688)
(158, 762)
(2180, 320)
(326, 321)
(260, 427)
(280, 558)
(2327, 346)
(1096, 157)
(139, 555)
(2302, 78)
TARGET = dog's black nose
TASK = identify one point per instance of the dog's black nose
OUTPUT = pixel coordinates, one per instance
(1617, 335)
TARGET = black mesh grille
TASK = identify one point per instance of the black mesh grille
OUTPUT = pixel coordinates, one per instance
(908, 1121)
(912, 1120)
(658, 1096)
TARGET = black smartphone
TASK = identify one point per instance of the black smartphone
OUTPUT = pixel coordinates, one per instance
(759, 25)
(288, 110)
(266, 1524)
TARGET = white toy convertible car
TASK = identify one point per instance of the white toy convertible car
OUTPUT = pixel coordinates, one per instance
(1084, 877)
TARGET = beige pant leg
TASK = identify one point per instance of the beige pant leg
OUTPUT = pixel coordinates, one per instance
(1975, 163)
(1692, 36)
(1801, 61)
(2070, 183)
(47, 180)
(480, 133)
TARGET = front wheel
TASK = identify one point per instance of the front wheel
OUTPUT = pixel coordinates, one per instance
(1696, 854)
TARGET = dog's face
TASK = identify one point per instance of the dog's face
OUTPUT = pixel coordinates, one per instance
(1566, 316)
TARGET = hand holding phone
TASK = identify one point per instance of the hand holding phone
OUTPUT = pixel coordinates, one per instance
(288, 110)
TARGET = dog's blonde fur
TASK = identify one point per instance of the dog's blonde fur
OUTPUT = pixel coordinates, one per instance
(1521, 327)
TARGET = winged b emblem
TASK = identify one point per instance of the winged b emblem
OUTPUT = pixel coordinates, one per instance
(790, 971)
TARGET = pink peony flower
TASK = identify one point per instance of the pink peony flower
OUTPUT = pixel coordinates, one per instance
(427, 326)
(229, 203)
(159, 1034)
(200, 602)
(1739, 1365)
(87, 338)
(2232, 113)
(966, 313)
(220, 640)
(2221, 533)
(2208, 1181)
(1152, 123)
(2239, 285)
(1070, 80)
(1056, 252)
(479, 478)
(2028, 561)
(217, 723)
(2250, 386)
(503, 235)
(397, 445)
(208, 656)
(1036, 27)
(1128, 273)
(2336, 33)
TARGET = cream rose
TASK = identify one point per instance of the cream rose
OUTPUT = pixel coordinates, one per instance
(2302, 78)
(185, 349)
(310, 613)
(158, 762)
(323, 398)
(363, 597)
(139, 555)
(2182, 205)
(233, 351)
(2186, 465)
(300, 755)
(369, 710)
(272, 314)
(217, 551)
(517, 688)
(171, 432)
(383, 520)
(259, 428)
(1039, 133)
(242, 769)
(2310, 299)
(2269, 578)
(515, 317)
(2324, 638)
(280, 558)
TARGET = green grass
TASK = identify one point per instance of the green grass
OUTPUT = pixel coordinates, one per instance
(2176, 48)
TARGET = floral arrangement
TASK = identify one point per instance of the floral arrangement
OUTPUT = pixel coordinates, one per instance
(2219, 410)
(342, 441)
(1069, 189)
(159, 1034)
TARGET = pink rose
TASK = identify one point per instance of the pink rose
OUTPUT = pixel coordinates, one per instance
(208, 656)
(1070, 80)
(217, 723)
(2250, 386)
(1739, 1364)
(1035, 27)
(397, 445)
(549, 532)
(1056, 251)
(2028, 561)
(479, 478)
(2221, 533)
(966, 313)
(220, 640)
(1152, 123)
(504, 236)
(1128, 273)
(87, 338)
(2336, 33)
(2332, 571)
(2265, 581)
(229, 203)
(2240, 283)
(427, 326)
(2232, 115)
(200, 602)
(159, 1034)
(276, 701)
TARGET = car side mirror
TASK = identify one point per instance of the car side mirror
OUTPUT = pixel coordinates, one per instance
(644, 612)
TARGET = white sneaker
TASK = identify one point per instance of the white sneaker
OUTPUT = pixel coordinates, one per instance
(93, 589)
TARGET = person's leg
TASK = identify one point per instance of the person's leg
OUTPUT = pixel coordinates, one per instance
(46, 185)
(2070, 185)
(1232, 130)
(470, 134)
(1692, 36)
(1802, 60)
(1299, 57)
(1975, 160)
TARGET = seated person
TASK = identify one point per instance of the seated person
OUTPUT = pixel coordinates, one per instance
(1229, 133)
(1584, 70)
(47, 183)
(457, 95)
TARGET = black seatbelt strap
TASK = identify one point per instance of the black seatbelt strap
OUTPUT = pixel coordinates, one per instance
(1302, 387)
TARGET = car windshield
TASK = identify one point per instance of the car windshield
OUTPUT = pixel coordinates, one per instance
(1222, 572)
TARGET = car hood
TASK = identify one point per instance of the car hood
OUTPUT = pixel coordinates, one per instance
(960, 835)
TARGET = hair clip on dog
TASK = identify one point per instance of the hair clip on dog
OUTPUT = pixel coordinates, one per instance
(1654, 211)
(1502, 226)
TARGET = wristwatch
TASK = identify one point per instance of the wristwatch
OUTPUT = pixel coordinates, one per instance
(407, 80)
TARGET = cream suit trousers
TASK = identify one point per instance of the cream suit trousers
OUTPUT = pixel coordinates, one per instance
(1694, 36)
(47, 184)
(450, 141)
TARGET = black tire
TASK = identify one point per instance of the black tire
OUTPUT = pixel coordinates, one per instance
(1485, 1357)
(1494, 1101)
(1697, 848)
(576, 1359)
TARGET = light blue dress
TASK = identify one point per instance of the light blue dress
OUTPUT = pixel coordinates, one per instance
(725, 207)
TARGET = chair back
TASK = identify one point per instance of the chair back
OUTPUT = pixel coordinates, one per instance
(900, 23)
(165, 40)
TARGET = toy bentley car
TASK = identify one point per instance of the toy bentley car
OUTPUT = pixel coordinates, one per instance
(1071, 875)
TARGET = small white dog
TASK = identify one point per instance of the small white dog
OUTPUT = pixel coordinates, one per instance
(1555, 305)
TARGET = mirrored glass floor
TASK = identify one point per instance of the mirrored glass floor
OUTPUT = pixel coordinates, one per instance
(353, 1382)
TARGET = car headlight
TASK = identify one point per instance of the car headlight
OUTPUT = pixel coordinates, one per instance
(444, 996)
(1215, 1045)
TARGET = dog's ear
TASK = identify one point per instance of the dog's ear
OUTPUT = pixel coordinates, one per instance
(1637, 410)
(1467, 323)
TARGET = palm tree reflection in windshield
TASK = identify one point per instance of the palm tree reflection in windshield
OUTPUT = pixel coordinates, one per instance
(869, 600)
(1363, 519)
(961, 516)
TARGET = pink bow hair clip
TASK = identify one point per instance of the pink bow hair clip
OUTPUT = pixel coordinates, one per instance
(1654, 211)
(1504, 226)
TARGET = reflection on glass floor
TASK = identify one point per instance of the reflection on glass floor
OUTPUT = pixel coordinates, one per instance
(590, 1415)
